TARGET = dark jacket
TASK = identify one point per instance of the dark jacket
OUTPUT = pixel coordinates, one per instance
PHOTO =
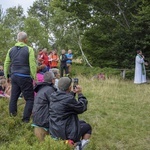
(63, 119)
(20, 60)
(63, 59)
(41, 104)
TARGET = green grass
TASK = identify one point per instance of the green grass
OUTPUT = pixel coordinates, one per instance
(118, 111)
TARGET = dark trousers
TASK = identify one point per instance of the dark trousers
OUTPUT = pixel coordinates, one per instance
(85, 128)
(62, 68)
(24, 85)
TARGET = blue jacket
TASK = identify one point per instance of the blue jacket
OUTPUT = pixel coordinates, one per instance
(70, 60)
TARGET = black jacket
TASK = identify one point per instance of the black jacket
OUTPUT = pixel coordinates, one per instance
(63, 59)
(63, 119)
(41, 104)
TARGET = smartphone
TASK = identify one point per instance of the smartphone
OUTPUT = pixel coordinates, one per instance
(75, 82)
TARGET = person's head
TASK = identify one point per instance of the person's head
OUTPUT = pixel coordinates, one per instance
(42, 68)
(40, 51)
(1, 68)
(138, 50)
(69, 51)
(64, 84)
(3, 82)
(49, 77)
(63, 51)
(54, 51)
(44, 50)
(22, 37)
(56, 72)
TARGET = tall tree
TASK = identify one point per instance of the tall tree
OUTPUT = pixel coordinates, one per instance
(36, 36)
(41, 11)
(14, 19)
(108, 27)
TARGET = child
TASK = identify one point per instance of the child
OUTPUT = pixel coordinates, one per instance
(40, 73)
(4, 88)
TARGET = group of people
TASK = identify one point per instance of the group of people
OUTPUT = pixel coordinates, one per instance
(52, 59)
(50, 97)
(50, 101)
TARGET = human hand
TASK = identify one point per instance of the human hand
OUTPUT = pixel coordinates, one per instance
(143, 56)
(77, 89)
(8, 80)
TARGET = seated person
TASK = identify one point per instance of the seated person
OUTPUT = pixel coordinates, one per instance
(40, 111)
(64, 109)
(40, 73)
(1, 72)
(57, 75)
(4, 88)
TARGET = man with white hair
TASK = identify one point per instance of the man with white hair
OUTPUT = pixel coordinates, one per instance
(40, 111)
(20, 65)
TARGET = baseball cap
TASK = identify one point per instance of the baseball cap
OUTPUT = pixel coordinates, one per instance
(64, 83)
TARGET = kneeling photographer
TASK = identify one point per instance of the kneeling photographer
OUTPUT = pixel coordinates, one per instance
(64, 109)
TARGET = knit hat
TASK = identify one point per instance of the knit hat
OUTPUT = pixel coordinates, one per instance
(64, 83)
(49, 76)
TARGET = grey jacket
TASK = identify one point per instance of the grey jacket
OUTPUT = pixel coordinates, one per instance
(41, 104)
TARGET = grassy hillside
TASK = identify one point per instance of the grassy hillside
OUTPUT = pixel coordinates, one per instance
(117, 110)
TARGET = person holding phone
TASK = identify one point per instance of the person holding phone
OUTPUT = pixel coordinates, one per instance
(64, 109)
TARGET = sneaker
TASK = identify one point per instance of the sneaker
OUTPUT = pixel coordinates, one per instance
(78, 146)
(84, 143)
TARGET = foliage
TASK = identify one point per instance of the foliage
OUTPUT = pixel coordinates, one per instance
(11, 23)
(84, 70)
(37, 38)
(106, 33)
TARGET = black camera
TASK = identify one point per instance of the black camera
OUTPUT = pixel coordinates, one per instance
(75, 82)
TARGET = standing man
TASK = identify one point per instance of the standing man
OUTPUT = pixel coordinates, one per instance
(63, 64)
(140, 73)
(69, 62)
(20, 64)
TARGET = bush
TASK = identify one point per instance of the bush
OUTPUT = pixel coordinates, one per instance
(79, 69)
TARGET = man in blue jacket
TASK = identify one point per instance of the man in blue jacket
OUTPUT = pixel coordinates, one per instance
(69, 61)
(64, 109)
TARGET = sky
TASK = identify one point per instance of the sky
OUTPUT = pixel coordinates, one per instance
(11, 3)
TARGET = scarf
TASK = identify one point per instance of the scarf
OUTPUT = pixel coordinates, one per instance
(142, 65)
